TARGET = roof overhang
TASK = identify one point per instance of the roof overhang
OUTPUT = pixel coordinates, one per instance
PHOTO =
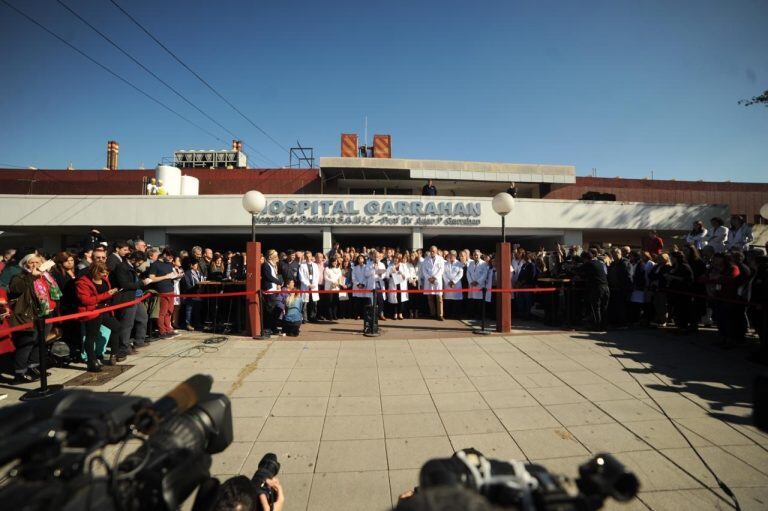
(396, 168)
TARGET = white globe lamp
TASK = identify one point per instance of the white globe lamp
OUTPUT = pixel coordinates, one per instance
(502, 204)
(254, 203)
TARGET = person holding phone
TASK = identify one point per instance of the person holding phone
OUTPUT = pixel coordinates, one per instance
(30, 292)
(94, 292)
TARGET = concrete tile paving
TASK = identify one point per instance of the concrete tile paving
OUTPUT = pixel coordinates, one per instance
(358, 417)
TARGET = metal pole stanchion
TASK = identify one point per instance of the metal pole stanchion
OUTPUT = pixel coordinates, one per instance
(45, 390)
(483, 330)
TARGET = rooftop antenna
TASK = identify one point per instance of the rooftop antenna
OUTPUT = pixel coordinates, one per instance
(365, 140)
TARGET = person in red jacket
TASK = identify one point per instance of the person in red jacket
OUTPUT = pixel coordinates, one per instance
(93, 293)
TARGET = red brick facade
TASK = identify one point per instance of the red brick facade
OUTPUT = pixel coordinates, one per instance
(743, 198)
(128, 182)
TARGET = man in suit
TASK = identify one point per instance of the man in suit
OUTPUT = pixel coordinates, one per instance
(125, 278)
(121, 249)
(270, 281)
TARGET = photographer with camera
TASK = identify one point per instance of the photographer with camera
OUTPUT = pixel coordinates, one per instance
(241, 493)
(468, 481)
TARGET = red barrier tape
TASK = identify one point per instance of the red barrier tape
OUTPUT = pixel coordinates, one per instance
(411, 291)
(77, 315)
(68, 317)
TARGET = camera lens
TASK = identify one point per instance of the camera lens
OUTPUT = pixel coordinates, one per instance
(268, 468)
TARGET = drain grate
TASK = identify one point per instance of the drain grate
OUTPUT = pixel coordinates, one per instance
(87, 379)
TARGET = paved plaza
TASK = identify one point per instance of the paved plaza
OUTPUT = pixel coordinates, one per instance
(353, 420)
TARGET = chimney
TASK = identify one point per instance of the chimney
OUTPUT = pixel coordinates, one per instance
(113, 148)
(382, 146)
(348, 145)
(237, 145)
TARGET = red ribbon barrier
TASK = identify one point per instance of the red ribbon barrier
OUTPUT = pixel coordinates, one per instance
(60, 319)
(77, 315)
(412, 291)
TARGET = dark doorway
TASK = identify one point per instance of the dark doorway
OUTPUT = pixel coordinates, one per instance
(236, 243)
(359, 241)
(487, 244)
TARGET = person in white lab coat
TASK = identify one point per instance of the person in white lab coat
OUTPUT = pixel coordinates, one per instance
(375, 272)
(454, 271)
(333, 282)
(477, 275)
(432, 269)
(397, 277)
(309, 277)
(718, 239)
(740, 235)
(360, 298)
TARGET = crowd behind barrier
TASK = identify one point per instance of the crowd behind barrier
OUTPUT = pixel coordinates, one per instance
(126, 294)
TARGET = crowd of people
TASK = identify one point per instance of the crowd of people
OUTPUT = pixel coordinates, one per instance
(37, 286)
(711, 277)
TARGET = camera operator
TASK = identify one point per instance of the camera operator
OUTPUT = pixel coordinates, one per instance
(240, 494)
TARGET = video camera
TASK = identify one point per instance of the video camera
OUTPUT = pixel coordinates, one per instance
(530, 487)
(51, 450)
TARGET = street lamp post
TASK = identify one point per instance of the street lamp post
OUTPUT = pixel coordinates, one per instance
(502, 204)
(253, 203)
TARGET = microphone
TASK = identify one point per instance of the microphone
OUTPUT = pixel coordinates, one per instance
(180, 399)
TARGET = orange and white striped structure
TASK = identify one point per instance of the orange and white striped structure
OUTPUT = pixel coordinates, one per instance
(113, 149)
(382, 146)
(348, 145)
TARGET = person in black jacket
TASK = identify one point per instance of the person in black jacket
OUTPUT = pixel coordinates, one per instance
(597, 291)
(125, 278)
(190, 284)
(620, 285)
(680, 279)
(637, 295)
(270, 281)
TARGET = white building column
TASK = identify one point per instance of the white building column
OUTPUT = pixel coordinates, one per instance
(417, 238)
(327, 240)
(155, 236)
(572, 237)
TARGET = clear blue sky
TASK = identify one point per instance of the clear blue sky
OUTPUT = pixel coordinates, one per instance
(623, 86)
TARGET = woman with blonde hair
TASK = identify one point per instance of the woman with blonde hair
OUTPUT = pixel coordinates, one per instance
(30, 295)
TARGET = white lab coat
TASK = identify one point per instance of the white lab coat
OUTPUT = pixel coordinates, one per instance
(397, 277)
(375, 274)
(740, 238)
(718, 239)
(332, 278)
(358, 277)
(477, 272)
(309, 282)
(697, 240)
(433, 268)
(453, 273)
